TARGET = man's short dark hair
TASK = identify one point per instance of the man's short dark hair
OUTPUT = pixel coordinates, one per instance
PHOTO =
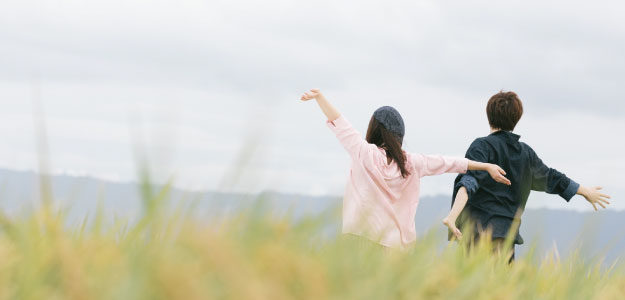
(504, 110)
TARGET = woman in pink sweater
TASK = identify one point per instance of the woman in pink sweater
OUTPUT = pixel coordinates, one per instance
(382, 192)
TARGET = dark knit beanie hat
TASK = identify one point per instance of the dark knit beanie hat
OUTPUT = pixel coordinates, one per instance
(391, 120)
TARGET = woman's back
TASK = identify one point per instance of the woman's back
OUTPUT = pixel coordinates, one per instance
(380, 202)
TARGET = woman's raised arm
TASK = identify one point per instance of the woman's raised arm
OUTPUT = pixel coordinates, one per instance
(328, 109)
(351, 140)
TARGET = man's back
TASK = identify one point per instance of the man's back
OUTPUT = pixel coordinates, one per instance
(495, 206)
(492, 205)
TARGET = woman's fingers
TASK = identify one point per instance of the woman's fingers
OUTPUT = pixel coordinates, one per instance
(499, 174)
(503, 176)
(501, 171)
(504, 180)
(306, 96)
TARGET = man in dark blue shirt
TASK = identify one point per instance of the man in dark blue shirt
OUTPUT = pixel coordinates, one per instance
(492, 207)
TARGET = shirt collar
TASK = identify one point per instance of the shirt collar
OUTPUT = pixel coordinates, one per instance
(507, 135)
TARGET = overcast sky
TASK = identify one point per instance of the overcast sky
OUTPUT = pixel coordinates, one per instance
(209, 89)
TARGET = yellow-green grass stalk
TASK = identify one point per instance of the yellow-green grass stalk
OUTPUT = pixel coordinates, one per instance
(256, 254)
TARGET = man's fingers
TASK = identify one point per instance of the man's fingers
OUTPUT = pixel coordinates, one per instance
(452, 227)
(456, 231)
(502, 171)
(594, 206)
(605, 196)
(601, 204)
(604, 201)
(598, 188)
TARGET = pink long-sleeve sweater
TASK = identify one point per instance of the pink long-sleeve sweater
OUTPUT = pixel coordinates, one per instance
(379, 204)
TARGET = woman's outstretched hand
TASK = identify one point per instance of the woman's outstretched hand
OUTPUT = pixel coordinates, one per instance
(312, 94)
(498, 174)
(327, 108)
(593, 196)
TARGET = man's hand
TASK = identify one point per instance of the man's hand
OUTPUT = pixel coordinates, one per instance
(451, 224)
(498, 174)
(593, 196)
(312, 94)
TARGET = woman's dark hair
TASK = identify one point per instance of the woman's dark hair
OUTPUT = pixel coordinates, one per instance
(504, 110)
(377, 134)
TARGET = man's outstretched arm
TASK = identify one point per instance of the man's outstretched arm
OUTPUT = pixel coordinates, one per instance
(551, 181)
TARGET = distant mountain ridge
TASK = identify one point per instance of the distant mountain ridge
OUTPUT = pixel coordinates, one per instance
(598, 232)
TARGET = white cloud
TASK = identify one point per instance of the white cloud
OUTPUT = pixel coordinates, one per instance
(202, 79)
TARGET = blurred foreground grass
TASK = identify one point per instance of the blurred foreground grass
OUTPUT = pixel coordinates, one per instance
(254, 254)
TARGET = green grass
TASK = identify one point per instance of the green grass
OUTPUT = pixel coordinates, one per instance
(256, 255)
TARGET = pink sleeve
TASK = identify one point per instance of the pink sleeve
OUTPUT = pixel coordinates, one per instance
(429, 165)
(351, 140)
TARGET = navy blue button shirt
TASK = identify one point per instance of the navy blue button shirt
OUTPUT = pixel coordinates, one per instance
(494, 205)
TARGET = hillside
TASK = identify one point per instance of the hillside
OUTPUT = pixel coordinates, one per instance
(597, 233)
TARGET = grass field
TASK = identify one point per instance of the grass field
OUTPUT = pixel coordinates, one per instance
(252, 254)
